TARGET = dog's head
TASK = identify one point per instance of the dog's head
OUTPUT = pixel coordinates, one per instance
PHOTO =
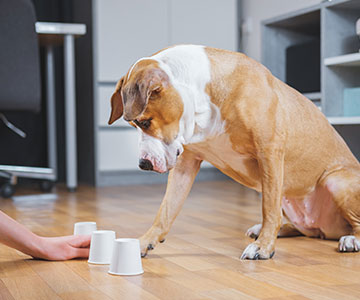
(147, 100)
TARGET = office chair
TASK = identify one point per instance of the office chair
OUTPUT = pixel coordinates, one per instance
(20, 82)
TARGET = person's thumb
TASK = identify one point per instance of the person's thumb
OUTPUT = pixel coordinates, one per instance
(80, 241)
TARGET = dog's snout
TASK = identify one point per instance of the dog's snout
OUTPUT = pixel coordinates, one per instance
(145, 164)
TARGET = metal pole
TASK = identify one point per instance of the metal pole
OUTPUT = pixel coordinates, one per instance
(51, 111)
(70, 113)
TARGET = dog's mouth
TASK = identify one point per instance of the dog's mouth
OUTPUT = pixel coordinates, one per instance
(158, 156)
(157, 164)
(148, 164)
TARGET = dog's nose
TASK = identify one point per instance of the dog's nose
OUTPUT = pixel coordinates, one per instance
(145, 164)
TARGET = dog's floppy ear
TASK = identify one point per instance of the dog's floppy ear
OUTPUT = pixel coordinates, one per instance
(116, 103)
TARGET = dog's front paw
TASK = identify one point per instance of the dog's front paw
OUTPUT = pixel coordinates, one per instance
(254, 252)
(349, 243)
(147, 244)
(253, 232)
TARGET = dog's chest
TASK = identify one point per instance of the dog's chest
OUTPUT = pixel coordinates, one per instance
(219, 152)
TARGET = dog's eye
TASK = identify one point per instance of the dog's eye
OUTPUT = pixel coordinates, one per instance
(145, 124)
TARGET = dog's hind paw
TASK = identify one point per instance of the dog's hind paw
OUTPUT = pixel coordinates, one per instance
(349, 243)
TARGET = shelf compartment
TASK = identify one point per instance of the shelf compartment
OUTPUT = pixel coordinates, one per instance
(303, 20)
(288, 30)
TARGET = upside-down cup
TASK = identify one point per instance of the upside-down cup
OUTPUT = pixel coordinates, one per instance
(126, 258)
(101, 247)
(84, 228)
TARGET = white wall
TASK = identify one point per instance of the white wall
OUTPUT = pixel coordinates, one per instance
(254, 11)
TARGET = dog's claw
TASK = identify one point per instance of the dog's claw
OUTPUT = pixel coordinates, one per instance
(150, 247)
(253, 236)
(257, 256)
(162, 241)
(143, 255)
(254, 231)
(272, 254)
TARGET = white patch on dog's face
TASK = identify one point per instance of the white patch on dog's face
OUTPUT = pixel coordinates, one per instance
(162, 156)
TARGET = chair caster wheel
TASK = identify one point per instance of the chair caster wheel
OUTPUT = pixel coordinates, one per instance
(46, 185)
(7, 190)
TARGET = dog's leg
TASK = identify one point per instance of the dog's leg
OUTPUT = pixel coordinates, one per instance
(179, 184)
(286, 230)
(344, 186)
(272, 169)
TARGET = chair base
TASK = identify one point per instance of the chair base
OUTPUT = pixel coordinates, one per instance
(27, 172)
(11, 173)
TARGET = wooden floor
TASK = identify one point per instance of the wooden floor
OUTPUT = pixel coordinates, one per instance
(199, 260)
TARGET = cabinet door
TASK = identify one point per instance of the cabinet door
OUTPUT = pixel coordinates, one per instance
(126, 31)
(204, 22)
(118, 150)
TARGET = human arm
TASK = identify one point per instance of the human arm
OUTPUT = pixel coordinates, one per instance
(17, 236)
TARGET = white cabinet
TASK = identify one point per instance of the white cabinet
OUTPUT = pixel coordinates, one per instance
(127, 30)
(118, 150)
(204, 22)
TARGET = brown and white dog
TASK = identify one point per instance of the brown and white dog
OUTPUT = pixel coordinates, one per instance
(193, 103)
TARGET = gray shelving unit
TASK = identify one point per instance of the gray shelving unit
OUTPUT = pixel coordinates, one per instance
(333, 24)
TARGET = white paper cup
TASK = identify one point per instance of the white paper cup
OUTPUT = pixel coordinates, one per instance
(101, 247)
(126, 258)
(84, 228)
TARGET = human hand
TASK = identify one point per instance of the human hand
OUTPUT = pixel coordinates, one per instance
(63, 247)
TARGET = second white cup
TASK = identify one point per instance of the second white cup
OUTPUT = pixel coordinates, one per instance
(84, 228)
(101, 247)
